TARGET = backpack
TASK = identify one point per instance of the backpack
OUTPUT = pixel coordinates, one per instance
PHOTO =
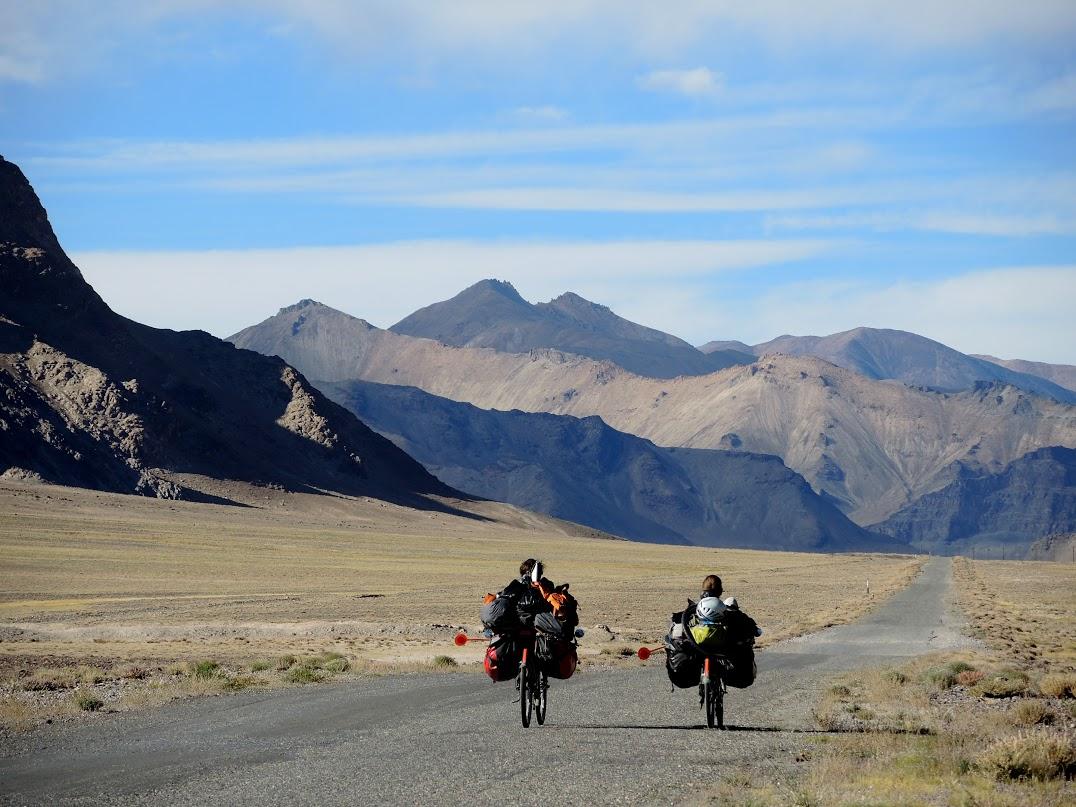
(502, 658)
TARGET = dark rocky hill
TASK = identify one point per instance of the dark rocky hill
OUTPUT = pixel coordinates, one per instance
(582, 470)
(90, 398)
(492, 314)
(1032, 497)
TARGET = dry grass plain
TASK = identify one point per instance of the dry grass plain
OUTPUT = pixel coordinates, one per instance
(101, 593)
(991, 727)
(1026, 610)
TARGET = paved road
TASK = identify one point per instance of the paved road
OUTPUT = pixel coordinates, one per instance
(611, 737)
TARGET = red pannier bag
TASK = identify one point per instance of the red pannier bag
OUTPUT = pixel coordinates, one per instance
(502, 659)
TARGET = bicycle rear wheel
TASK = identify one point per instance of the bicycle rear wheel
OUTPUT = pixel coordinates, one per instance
(526, 702)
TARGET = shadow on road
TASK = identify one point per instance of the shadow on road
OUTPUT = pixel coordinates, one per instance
(760, 729)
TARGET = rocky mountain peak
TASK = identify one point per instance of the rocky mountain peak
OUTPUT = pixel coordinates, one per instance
(302, 305)
(501, 288)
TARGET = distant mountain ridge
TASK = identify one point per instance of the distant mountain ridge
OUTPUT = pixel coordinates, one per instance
(92, 399)
(492, 314)
(882, 353)
(870, 446)
(584, 471)
(1064, 375)
(1032, 497)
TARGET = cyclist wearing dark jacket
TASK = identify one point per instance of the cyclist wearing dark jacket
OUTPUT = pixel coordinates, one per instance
(527, 591)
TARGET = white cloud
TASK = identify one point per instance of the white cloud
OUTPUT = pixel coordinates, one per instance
(223, 291)
(623, 201)
(63, 36)
(699, 82)
(966, 222)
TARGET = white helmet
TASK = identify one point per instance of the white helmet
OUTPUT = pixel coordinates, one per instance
(709, 609)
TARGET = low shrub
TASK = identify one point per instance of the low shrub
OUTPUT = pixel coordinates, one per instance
(1032, 713)
(261, 665)
(444, 661)
(1001, 684)
(945, 676)
(1031, 755)
(840, 691)
(304, 674)
(969, 678)
(238, 683)
(286, 662)
(206, 669)
(895, 677)
(87, 701)
(1058, 685)
(337, 665)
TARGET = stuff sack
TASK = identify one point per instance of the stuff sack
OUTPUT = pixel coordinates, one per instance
(499, 615)
(565, 607)
(711, 638)
(548, 624)
(502, 658)
(557, 657)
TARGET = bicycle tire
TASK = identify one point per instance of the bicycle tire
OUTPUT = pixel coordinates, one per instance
(710, 699)
(526, 704)
(541, 698)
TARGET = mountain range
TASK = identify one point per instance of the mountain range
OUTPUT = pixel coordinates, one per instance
(869, 446)
(882, 353)
(581, 470)
(868, 439)
(492, 314)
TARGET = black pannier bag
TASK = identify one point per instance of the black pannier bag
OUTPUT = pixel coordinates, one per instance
(683, 662)
(554, 648)
(557, 657)
(500, 615)
(741, 670)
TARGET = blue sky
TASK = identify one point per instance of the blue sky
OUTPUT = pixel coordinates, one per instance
(717, 171)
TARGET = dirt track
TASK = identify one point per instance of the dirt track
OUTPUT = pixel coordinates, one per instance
(611, 736)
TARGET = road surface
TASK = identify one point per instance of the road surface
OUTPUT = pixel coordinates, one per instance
(612, 736)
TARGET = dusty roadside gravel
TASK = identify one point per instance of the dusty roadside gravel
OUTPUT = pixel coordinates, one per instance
(612, 736)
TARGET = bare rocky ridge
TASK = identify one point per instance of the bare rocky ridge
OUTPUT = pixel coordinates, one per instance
(492, 314)
(1060, 547)
(882, 353)
(583, 471)
(1064, 375)
(1032, 497)
(90, 398)
(870, 446)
